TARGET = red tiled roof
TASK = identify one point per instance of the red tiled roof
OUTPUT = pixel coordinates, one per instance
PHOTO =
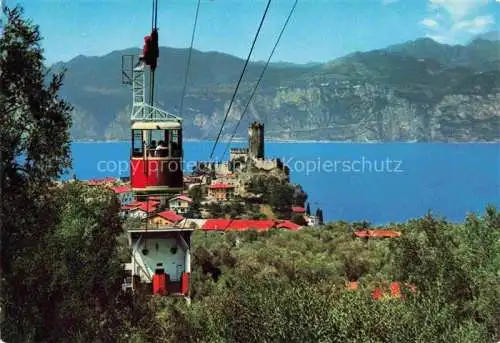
(121, 189)
(101, 181)
(379, 292)
(142, 205)
(287, 224)
(377, 233)
(353, 285)
(221, 186)
(298, 209)
(216, 224)
(170, 215)
(182, 197)
(222, 176)
(395, 288)
(247, 224)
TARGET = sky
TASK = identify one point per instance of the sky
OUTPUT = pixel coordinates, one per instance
(320, 30)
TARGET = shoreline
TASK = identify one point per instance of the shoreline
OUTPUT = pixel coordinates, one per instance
(296, 141)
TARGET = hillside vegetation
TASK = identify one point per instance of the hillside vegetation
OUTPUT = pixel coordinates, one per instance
(291, 286)
(416, 91)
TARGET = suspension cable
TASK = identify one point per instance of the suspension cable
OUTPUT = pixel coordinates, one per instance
(261, 76)
(186, 74)
(154, 26)
(239, 81)
(156, 14)
(153, 15)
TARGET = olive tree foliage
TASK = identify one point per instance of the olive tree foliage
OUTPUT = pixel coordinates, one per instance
(459, 263)
(84, 277)
(60, 272)
(35, 120)
(34, 149)
(282, 286)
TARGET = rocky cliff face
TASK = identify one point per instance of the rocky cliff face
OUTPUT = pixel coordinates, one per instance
(363, 113)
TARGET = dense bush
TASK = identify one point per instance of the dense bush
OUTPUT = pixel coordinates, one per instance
(282, 286)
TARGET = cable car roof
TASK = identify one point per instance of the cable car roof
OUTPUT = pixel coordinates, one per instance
(155, 125)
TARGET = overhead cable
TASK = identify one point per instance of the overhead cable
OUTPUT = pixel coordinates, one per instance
(239, 81)
(261, 76)
(186, 74)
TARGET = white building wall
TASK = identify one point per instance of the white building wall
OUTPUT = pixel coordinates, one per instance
(266, 164)
(126, 198)
(160, 252)
(312, 221)
(180, 207)
(137, 213)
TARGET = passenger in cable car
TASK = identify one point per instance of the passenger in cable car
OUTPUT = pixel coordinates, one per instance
(161, 150)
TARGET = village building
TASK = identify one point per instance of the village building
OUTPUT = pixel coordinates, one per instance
(192, 181)
(165, 218)
(124, 194)
(238, 154)
(139, 209)
(221, 191)
(234, 180)
(161, 258)
(107, 181)
(247, 224)
(298, 210)
(312, 220)
(386, 289)
(180, 204)
(377, 234)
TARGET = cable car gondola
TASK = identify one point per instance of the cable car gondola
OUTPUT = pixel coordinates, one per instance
(156, 139)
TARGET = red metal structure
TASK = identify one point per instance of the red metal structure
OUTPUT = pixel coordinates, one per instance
(160, 281)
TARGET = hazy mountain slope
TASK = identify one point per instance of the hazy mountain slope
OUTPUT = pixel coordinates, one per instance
(492, 36)
(478, 55)
(419, 90)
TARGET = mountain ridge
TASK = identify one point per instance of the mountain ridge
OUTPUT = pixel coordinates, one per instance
(415, 91)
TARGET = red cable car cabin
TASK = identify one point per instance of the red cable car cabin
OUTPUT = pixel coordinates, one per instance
(156, 161)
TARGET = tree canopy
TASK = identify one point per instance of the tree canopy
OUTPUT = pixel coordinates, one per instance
(61, 277)
(283, 286)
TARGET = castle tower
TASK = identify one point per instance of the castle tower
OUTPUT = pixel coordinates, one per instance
(256, 140)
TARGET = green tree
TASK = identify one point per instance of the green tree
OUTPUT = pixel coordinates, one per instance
(308, 209)
(235, 209)
(363, 225)
(301, 296)
(319, 215)
(61, 276)
(34, 150)
(84, 274)
(457, 263)
(299, 196)
(216, 210)
(299, 219)
(196, 194)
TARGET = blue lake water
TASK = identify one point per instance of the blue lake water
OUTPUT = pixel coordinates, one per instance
(380, 183)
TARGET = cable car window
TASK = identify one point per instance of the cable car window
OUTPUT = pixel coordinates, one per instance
(176, 143)
(156, 142)
(137, 144)
(157, 135)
